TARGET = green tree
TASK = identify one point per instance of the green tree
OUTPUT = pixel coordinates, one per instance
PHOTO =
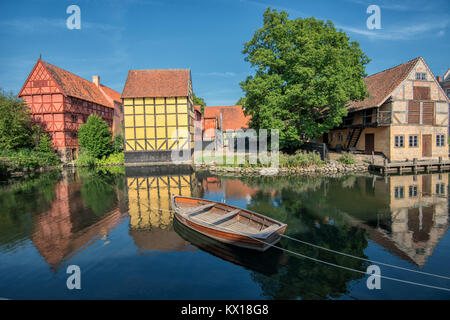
(241, 101)
(200, 102)
(15, 123)
(306, 72)
(94, 137)
(118, 143)
(45, 144)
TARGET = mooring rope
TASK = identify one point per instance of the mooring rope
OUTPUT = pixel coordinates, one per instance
(363, 259)
(322, 261)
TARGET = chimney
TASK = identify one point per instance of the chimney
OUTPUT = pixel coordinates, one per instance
(438, 78)
(96, 80)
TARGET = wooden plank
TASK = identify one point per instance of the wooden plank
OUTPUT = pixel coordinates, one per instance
(225, 216)
(198, 209)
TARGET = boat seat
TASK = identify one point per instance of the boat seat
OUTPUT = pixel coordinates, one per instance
(269, 230)
(198, 209)
(225, 216)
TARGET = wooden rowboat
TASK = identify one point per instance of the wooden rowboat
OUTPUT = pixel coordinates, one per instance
(229, 224)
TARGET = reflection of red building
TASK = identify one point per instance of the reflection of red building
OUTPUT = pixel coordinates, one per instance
(230, 188)
(57, 233)
(62, 101)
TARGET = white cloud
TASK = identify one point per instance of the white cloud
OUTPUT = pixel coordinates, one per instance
(405, 32)
(216, 74)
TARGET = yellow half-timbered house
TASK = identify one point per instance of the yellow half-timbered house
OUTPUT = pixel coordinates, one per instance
(158, 116)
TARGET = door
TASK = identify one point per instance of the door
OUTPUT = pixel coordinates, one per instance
(370, 143)
(426, 145)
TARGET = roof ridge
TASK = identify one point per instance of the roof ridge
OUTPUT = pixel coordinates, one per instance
(401, 64)
(77, 75)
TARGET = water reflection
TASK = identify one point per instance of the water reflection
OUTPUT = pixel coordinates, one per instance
(62, 214)
(149, 192)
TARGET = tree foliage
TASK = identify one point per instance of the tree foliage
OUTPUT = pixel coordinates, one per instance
(16, 127)
(200, 102)
(94, 137)
(306, 72)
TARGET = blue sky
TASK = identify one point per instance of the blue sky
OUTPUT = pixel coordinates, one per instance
(205, 36)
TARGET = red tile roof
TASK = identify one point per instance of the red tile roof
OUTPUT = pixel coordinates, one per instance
(75, 86)
(113, 94)
(198, 108)
(233, 117)
(381, 85)
(157, 83)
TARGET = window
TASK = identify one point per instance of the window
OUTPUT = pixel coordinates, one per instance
(399, 141)
(399, 192)
(74, 135)
(440, 188)
(74, 118)
(340, 136)
(448, 93)
(412, 191)
(421, 76)
(413, 141)
(332, 137)
(440, 138)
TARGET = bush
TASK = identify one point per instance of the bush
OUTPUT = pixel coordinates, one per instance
(118, 143)
(85, 159)
(346, 158)
(113, 158)
(300, 159)
(45, 144)
(27, 159)
(94, 137)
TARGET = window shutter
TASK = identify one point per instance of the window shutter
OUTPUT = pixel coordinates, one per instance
(414, 112)
(421, 93)
(428, 113)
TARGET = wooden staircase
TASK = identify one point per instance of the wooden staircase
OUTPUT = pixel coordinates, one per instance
(354, 137)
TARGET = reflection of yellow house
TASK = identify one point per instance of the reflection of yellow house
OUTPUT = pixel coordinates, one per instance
(149, 199)
(159, 115)
(419, 216)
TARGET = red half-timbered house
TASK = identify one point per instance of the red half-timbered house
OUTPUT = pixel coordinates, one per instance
(61, 102)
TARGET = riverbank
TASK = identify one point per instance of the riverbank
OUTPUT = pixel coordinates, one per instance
(330, 167)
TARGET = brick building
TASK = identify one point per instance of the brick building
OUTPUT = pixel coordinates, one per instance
(61, 102)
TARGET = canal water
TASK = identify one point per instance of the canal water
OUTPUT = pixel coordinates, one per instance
(118, 228)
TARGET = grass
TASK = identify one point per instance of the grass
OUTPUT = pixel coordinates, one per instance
(299, 159)
(346, 158)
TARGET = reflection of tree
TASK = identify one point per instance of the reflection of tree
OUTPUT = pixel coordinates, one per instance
(316, 222)
(18, 201)
(97, 190)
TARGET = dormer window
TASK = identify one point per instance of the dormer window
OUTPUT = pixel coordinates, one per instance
(421, 76)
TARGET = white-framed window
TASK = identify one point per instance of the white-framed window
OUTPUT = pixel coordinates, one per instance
(440, 140)
(413, 191)
(399, 192)
(413, 141)
(448, 93)
(399, 141)
(440, 188)
(421, 76)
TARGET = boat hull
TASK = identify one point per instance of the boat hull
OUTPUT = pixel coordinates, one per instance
(232, 238)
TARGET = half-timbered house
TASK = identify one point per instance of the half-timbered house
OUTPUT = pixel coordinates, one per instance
(61, 102)
(405, 116)
(159, 115)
